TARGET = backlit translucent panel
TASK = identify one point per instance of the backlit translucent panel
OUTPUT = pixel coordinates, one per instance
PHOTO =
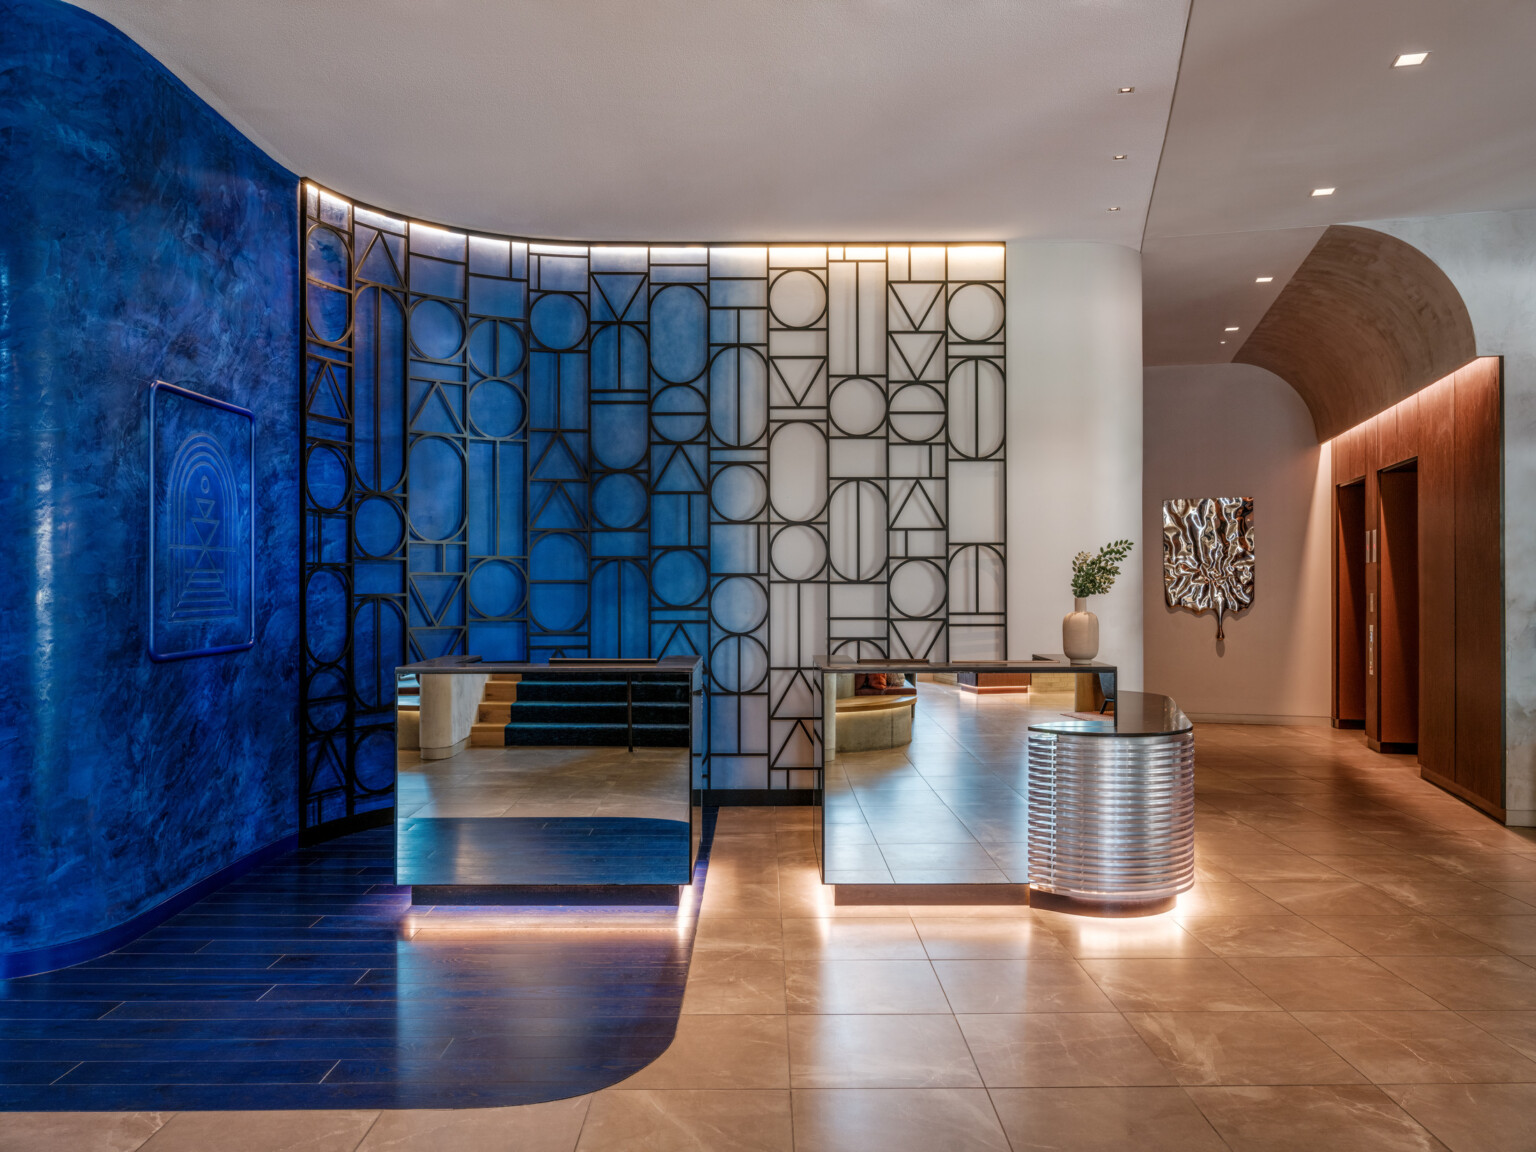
(754, 453)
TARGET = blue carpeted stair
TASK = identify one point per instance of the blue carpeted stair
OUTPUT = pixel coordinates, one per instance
(579, 711)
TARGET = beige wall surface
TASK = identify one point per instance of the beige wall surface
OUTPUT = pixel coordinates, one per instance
(1238, 430)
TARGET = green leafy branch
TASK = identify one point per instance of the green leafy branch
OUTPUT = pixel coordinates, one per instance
(1095, 575)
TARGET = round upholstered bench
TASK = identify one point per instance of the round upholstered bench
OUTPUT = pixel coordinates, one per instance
(865, 723)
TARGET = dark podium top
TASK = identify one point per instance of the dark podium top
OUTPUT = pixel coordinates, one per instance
(1046, 664)
(668, 665)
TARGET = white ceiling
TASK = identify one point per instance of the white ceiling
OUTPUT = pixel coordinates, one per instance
(699, 119)
(891, 119)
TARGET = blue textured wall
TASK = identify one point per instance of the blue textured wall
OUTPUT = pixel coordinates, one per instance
(141, 238)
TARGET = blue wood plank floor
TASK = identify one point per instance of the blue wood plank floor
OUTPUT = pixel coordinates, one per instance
(314, 983)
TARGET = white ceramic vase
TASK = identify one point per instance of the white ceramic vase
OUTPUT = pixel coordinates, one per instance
(1080, 633)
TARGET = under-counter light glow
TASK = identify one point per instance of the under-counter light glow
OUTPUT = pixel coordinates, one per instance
(1263, 279)
(1323, 191)
(1409, 59)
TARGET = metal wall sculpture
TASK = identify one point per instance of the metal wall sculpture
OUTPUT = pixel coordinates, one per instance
(752, 453)
(1208, 555)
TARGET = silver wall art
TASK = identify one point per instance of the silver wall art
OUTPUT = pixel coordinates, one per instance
(1208, 555)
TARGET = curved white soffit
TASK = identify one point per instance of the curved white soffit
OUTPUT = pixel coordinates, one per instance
(699, 119)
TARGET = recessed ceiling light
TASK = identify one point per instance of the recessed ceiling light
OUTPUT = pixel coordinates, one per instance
(1119, 155)
(1323, 191)
(1262, 279)
(1223, 341)
(1232, 329)
(1116, 208)
(1124, 91)
(1409, 59)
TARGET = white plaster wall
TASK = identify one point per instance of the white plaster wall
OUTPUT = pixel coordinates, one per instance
(1238, 430)
(1491, 258)
(1074, 440)
(449, 706)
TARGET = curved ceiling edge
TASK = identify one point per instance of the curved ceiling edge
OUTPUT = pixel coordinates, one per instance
(1366, 321)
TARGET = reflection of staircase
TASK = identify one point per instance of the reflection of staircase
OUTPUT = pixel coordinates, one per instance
(551, 708)
(490, 727)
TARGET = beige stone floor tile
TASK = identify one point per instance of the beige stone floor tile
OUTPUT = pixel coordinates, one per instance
(1513, 934)
(1470, 983)
(720, 1052)
(1316, 1118)
(1333, 842)
(1231, 898)
(727, 938)
(1313, 898)
(1517, 1029)
(886, 1051)
(313, 1130)
(1240, 1048)
(1419, 1047)
(863, 986)
(622, 1120)
(1142, 936)
(1103, 1120)
(551, 1127)
(1178, 985)
(1060, 1050)
(1264, 936)
(879, 1120)
(1472, 1117)
(78, 1131)
(734, 987)
(1272, 866)
(866, 938)
(987, 938)
(1331, 983)
(1413, 935)
(1019, 986)
(1521, 891)
(1455, 898)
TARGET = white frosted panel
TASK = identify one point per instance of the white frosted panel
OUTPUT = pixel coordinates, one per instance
(918, 588)
(916, 460)
(858, 458)
(919, 639)
(976, 643)
(797, 257)
(794, 743)
(613, 258)
(975, 501)
(897, 261)
(975, 581)
(797, 471)
(842, 320)
(375, 220)
(735, 547)
(928, 263)
(799, 552)
(679, 255)
(916, 356)
(920, 544)
(802, 778)
(865, 252)
(859, 628)
(797, 382)
(794, 693)
(737, 772)
(856, 523)
(917, 504)
(738, 261)
(738, 294)
(976, 313)
(797, 342)
(858, 600)
(976, 262)
(872, 318)
(799, 623)
(558, 249)
(976, 407)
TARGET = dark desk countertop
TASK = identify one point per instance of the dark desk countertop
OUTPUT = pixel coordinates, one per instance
(1047, 664)
(667, 665)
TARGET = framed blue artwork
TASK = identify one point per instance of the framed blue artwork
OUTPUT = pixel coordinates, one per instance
(201, 543)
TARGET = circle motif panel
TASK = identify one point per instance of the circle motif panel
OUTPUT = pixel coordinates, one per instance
(976, 312)
(325, 616)
(797, 299)
(917, 413)
(677, 413)
(436, 330)
(558, 321)
(378, 526)
(496, 348)
(437, 488)
(497, 588)
(798, 552)
(739, 604)
(739, 492)
(797, 467)
(679, 578)
(857, 407)
(496, 408)
(739, 664)
(917, 588)
(679, 333)
(976, 408)
(618, 500)
(738, 396)
(327, 477)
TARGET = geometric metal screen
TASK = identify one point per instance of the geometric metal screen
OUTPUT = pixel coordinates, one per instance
(751, 453)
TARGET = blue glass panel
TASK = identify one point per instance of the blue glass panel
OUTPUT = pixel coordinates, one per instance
(437, 488)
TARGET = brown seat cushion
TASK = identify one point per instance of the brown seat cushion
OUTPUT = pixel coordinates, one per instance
(869, 684)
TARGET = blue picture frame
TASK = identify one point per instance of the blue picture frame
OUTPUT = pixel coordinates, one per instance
(202, 550)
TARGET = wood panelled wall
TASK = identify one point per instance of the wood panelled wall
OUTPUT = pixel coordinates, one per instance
(1430, 471)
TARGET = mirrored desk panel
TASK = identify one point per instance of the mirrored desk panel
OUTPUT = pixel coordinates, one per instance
(536, 776)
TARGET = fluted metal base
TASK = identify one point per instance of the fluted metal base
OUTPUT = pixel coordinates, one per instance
(1111, 821)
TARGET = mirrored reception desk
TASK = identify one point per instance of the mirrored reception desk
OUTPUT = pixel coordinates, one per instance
(519, 778)
(1017, 798)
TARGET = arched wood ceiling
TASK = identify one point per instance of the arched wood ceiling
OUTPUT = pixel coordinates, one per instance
(1366, 321)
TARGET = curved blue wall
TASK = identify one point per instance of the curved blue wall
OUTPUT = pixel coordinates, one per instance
(141, 238)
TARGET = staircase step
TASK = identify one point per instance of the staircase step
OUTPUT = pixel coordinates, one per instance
(501, 690)
(658, 691)
(597, 735)
(590, 712)
(488, 736)
(497, 711)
